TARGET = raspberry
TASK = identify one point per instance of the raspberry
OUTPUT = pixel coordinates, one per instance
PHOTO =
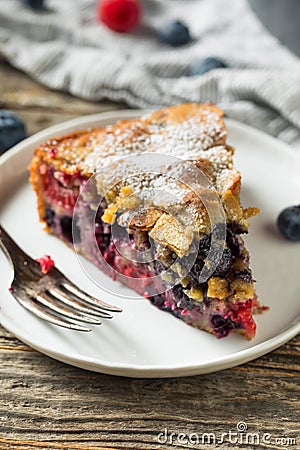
(46, 263)
(119, 15)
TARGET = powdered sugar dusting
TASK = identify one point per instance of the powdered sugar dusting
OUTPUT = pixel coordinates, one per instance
(197, 134)
(187, 139)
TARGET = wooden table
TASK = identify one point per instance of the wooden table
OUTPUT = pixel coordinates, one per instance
(47, 404)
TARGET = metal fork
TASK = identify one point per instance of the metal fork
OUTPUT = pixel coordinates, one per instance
(51, 296)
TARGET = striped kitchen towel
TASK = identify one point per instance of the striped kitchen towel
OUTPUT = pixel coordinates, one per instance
(63, 50)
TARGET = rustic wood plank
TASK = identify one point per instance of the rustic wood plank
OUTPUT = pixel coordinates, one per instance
(40, 107)
(29, 444)
(44, 399)
(21, 92)
(47, 404)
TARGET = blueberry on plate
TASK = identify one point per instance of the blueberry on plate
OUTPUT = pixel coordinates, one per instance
(12, 130)
(175, 33)
(288, 223)
(34, 4)
(203, 65)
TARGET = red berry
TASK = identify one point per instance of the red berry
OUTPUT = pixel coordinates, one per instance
(46, 263)
(119, 15)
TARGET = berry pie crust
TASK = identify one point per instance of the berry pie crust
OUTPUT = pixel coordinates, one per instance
(182, 276)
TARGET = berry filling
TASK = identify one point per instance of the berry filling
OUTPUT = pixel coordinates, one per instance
(202, 305)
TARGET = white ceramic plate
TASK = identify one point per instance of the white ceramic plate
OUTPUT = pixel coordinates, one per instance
(143, 341)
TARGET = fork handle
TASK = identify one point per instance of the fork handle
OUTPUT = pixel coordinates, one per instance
(9, 246)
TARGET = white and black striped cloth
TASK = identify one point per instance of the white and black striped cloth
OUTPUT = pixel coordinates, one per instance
(261, 87)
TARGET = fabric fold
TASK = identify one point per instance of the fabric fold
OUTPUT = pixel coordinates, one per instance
(260, 87)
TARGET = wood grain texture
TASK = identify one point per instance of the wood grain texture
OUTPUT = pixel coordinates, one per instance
(45, 404)
(40, 107)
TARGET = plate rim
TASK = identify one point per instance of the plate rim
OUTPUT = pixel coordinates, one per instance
(154, 371)
(147, 370)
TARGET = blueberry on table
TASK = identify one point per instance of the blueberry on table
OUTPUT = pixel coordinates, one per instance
(203, 65)
(175, 33)
(34, 4)
(12, 130)
(288, 223)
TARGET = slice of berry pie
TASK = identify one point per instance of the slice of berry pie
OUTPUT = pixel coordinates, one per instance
(154, 203)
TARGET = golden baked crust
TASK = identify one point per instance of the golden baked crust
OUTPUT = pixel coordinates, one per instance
(86, 151)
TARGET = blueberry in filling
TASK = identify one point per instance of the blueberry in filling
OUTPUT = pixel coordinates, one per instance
(184, 301)
(49, 216)
(223, 267)
(104, 241)
(233, 243)
(221, 325)
(66, 227)
(244, 275)
(158, 266)
(204, 245)
(158, 301)
(224, 264)
(70, 231)
(196, 270)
